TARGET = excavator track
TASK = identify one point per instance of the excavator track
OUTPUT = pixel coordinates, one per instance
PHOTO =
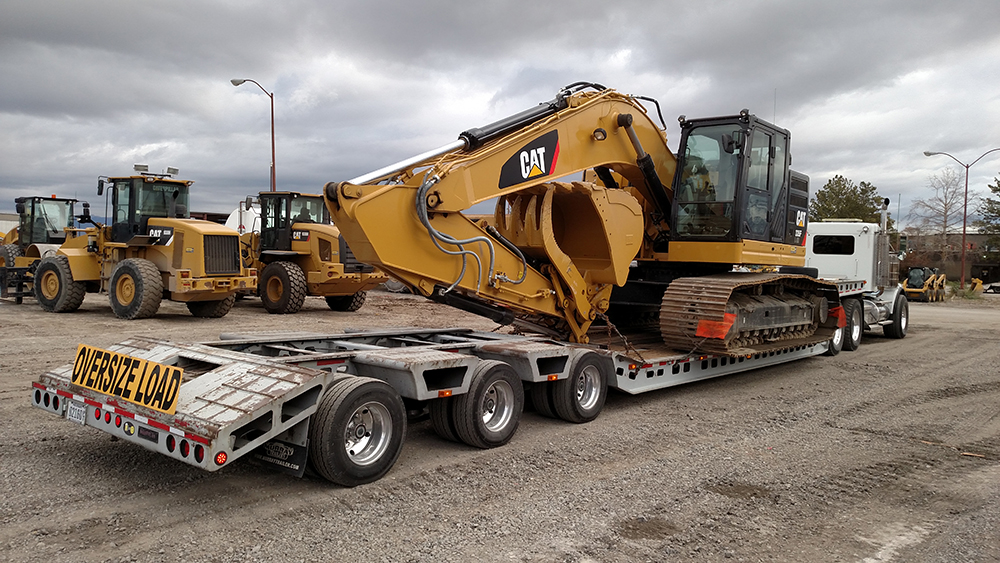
(738, 314)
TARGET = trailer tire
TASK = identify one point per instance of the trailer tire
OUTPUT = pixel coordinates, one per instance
(541, 399)
(54, 288)
(357, 432)
(580, 397)
(836, 343)
(347, 303)
(441, 418)
(212, 309)
(8, 253)
(855, 324)
(488, 415)
(282, 287)
(900, 318)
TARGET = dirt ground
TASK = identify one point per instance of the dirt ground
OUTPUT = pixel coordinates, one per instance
(888, 453)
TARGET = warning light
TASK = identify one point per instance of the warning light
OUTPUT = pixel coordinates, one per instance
(97, 414)
(107, 417)
(444, 393)
(118, 421)
(199, 453)
(185, 448)
(553, 377)
(171, 443)
(220, 458)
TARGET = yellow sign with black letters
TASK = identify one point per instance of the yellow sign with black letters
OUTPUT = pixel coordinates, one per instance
(135, 380)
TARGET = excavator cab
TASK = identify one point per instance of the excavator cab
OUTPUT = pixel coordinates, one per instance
(137, 199)
(42, 220)
(281, 211)
(733, 183)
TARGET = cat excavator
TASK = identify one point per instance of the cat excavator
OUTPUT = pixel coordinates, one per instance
(598, 225)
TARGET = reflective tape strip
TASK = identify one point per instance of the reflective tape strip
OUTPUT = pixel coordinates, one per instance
(716, 329)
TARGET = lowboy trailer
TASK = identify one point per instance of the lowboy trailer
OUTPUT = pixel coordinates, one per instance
(339, 403)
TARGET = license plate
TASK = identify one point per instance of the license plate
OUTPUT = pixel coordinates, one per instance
(76, 412)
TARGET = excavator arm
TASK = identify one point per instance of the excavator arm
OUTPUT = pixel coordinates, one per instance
(554, 249)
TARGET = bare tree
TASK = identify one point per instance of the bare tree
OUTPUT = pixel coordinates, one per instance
(942, 212)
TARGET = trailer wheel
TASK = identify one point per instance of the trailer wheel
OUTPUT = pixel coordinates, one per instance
(8, 253)
(54, 287)
(836, 343)
(900, 318)
(212, 309)
(357, 432)
(282, 288)
(581, 396)
(541, 399)
(441, 418)
(487, 416)
(346, 303)
(855, 324)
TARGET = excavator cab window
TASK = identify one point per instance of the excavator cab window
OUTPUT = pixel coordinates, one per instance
(706, 190)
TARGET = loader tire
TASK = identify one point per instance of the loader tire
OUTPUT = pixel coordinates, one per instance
(900, 318)
(8, 253)
(55, 290)
(347, 302)
(580, 397)
(282, 288)
(488, 415)
(136, 289)
(211, 309)
(441, 418)
(853, 310)
(357, 432)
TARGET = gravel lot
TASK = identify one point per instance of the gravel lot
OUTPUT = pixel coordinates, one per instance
(888, 453)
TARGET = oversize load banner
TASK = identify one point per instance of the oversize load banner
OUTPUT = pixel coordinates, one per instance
(135, 380)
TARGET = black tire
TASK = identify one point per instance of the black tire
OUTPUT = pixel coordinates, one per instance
(441, 418)
(54, 288)
(8, 253)
(135, 289)
(357, 432)
(900, 318)
(347, 302)
(487, 416)
(282, 287)
(580, 397)
(541, 399)
(836, 343)
(211, 309)
(395, 286)
(855, 326)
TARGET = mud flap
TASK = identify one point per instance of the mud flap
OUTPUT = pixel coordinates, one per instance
(288, 452)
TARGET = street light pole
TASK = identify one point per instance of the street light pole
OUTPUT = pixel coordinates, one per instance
(237, 82)
(965, 206)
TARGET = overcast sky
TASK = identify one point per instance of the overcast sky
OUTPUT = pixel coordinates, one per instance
(89, 87)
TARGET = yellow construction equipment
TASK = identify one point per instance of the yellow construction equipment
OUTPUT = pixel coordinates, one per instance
(621, 243)
(43, 224)
(925, 284)
(297, 252)
(150, 250)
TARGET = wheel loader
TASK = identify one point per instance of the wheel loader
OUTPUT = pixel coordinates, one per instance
(297, 252)
(43, 224)
(599, 226)
(149, 250)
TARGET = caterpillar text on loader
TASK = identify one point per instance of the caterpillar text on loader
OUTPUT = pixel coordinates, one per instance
(297, 252)
(151, 250)
(43, 224)
(646, 237)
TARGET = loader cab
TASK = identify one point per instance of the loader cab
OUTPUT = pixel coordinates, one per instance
(284, 216)
(42, 220)
(137, 199)
(733, 183)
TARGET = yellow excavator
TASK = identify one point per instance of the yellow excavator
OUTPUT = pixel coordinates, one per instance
(598, 225)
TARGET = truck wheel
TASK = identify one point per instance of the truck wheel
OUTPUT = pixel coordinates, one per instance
(487, 416)
(55, 289)
(580, 397)
(900, 318)
(836, 343)
(541, 399)
(8, 253)
(136, 289)
(441, 419)
(211, 309)
(282, 287)
(855, 324)
(347, 302)
(357, 432)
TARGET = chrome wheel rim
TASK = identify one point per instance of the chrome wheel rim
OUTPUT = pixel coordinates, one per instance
(497, 406)
(588, 387)
(368, 433)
